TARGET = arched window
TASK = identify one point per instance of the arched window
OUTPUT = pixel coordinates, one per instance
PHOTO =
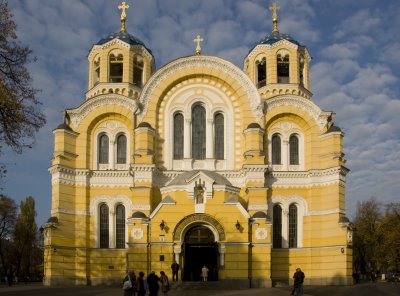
(261, 73)
(138, 70)
(121, 149)
(292, 226)
(120, 227)
(104, 231)
(283, 68)
(178, 136)
(198, 132)
(219, 136)
(276, 149)
(301, 70)
(294, 150)
(96, 70)
(277, 227)
(116, 67)
(103, 149)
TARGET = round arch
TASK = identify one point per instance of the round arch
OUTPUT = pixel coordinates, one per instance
(196, 219)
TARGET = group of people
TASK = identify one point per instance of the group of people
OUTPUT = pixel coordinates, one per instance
(139, 286)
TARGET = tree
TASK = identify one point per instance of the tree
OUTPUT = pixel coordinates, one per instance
(8, 215)
(366, 239)
(25, 235)
(20, 116)
(389, 228)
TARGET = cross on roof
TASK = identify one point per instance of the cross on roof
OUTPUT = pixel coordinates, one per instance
(274, 8)
(198, 40)
(123, 7)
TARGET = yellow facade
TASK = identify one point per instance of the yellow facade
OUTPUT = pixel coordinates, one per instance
(199, 159)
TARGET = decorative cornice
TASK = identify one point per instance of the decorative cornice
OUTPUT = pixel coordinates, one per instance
(322, 118)
(96, 48)
(210, 62)
(266, 47)
(78, 114)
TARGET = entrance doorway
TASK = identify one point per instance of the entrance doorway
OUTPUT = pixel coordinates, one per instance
(200, 249)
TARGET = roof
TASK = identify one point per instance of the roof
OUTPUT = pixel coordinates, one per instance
(181, 179)
(123, 36)
(275, 37)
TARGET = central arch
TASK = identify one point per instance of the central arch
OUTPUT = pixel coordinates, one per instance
(199, 235)
(199, 249)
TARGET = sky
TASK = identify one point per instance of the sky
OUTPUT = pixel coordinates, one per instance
(355, 71)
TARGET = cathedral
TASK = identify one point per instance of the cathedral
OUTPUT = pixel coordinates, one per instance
(198, 162)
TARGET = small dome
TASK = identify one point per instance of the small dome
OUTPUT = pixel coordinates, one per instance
(52, 219)
(344, 219)
(64, 126)
(253, 125)
(138, 215)
(144, 124)
(123, 36)
(275, 37)
(333, 128)
(260, 215)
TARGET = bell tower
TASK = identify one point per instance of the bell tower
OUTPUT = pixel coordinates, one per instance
(278, 64)
(120, 63)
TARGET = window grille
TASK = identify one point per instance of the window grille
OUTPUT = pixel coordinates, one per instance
(198, 132)
(104, 231)
(276, 149)
(116, 68)
(283, 68)
(103, 149)
(121, 149)
(292, 226)
(294, 149)
(120, 227)
(219, 136)
(138, 70)
(277, 227)
(178, 136)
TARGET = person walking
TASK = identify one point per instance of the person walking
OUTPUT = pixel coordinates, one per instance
(204, 273)
(175, 268)
(164, 283)
(298, 282)
(152, 283)
(128, 284)
(140, 285)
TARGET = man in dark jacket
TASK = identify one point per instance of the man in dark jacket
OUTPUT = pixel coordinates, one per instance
(152, 283)
(175, 269)
(298, 282)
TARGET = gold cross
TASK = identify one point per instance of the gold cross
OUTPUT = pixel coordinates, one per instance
(274, 8)
(198, 40)
(123, 7)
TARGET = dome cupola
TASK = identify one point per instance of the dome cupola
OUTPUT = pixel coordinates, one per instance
(119, 63)
(278, 64)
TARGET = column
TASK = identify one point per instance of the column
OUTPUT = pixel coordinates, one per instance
(111, 156)
(209, 139)
(187, 139)
(285, 228)
(111, 228)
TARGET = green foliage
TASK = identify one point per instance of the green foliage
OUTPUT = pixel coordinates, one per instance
(376, 242)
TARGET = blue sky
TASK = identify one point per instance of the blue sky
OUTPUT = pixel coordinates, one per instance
(355, 45)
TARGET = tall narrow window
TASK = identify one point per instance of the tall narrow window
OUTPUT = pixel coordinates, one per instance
(103, 149)
(294, 149)
(96, 71)
(178, 136)
(104, 231)
(121, 149)
(198, 132)
(283, 68)
(116, 67)
(261, 73)
(301, 70)
(292, 226)
(276, 149)
(219, 136)
(277, 227)
(120, 227)
(138, 70)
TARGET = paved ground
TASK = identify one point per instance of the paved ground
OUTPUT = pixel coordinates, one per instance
(365, 289)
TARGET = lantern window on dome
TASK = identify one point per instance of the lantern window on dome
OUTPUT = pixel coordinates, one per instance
(283, 67)
(116, 67)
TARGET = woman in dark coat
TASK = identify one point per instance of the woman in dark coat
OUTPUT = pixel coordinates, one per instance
(152, 283)
(140, 285)
(130, 277)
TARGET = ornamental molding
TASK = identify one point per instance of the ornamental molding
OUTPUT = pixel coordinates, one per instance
(209, 62)
(78, 114)
(68, 211)
(261, 233)
(112, 201)
(322, 118)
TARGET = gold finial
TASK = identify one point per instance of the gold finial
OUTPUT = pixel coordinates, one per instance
(274, 8)
(198, 40)
(123, 7)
